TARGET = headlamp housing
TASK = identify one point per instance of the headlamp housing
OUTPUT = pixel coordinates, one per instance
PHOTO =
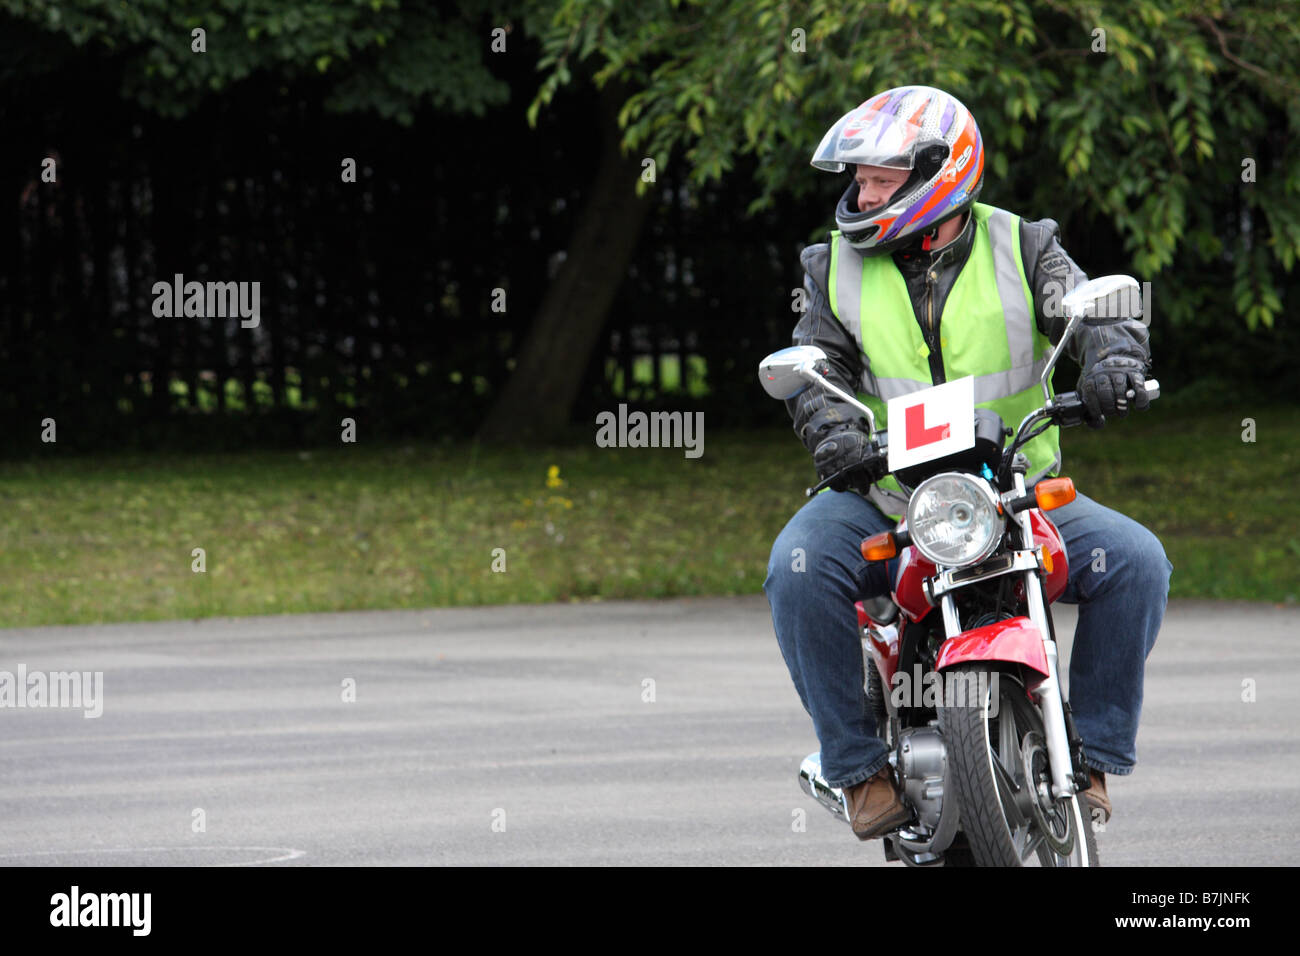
(954, 519)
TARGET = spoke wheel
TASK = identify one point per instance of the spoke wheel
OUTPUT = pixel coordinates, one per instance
(996, 745)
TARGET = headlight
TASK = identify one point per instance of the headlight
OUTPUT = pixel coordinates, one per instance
(953, 519)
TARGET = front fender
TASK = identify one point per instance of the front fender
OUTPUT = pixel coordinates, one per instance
(1016, 640)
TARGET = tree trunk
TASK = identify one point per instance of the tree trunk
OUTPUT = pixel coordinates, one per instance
(538, 398)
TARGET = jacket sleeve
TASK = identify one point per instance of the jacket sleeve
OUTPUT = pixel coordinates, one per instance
(1052, 273)
(815, 411)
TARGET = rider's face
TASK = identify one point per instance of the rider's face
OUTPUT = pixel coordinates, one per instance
(876, 184)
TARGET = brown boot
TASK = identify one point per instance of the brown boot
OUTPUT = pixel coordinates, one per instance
(875, 806)
(1095, 796)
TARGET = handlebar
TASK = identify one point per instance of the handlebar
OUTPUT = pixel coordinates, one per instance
(880, 444)
(1065, 410)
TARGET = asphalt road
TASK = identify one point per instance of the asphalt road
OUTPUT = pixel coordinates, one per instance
(524, 735)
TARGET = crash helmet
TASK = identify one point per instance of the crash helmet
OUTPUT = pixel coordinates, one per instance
(922, 130)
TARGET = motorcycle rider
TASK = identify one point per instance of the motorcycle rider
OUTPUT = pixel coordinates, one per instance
(921, 284)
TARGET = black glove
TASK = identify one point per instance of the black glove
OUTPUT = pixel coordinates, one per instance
(1104, 388)
(846, 448)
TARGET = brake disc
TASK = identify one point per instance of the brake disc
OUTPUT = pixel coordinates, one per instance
(1048, 815)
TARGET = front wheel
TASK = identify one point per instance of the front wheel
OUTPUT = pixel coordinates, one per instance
(994, 736)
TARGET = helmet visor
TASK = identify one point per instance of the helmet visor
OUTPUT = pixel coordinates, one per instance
(868, 137)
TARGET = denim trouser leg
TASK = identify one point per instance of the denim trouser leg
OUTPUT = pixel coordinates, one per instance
(1121, 591)
(815, 574)
(1119, 577)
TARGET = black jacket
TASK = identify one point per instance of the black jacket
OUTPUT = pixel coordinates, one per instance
(930, 277)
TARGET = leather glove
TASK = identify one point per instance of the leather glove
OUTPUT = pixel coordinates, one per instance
(1104, 388)
(846, 448)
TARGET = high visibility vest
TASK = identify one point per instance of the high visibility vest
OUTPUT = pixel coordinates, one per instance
(987, 329)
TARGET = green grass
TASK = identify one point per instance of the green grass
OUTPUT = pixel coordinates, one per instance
(110, 539)
(1225, 509)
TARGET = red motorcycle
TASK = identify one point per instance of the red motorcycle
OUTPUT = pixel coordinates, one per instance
(979, 729)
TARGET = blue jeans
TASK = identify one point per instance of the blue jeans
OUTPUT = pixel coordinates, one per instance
(1119, 577)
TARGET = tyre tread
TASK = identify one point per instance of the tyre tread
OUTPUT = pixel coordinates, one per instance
(986, 830)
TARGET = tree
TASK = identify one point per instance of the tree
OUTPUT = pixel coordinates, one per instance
(1175, 121)
(549, 369)
(375, 54)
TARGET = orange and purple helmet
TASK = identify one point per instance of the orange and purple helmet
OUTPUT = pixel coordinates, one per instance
(917, 128)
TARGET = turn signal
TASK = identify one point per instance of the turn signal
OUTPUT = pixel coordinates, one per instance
(1048, 564)
(1054, 492)
(880, 547)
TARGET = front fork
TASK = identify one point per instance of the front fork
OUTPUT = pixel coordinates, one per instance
(1048, 692)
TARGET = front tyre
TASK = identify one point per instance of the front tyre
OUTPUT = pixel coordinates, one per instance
(994, 736)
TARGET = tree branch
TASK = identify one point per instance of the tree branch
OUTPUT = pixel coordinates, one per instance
(1213, 27)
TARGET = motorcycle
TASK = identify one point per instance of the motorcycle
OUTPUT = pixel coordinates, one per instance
(987, 755)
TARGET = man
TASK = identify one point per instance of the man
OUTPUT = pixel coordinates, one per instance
(920, 285)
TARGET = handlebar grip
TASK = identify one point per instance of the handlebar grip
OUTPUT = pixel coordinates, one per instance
(878, 461)
(1151, 386)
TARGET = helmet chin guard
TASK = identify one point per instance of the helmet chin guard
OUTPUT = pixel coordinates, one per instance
(917, 128)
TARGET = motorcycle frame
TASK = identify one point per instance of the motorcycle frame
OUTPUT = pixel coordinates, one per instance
(1004, 646)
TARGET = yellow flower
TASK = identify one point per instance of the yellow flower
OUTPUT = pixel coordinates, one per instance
(553, 479)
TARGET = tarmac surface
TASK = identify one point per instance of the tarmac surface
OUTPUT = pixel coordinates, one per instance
(532, 734)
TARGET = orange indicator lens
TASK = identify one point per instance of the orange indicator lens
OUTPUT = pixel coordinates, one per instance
(1054, 492)
(880, 547)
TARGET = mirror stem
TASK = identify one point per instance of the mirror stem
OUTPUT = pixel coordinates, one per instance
(1056, 354)
(808, 372)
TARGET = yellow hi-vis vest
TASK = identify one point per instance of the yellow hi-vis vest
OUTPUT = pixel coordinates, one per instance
(987, 330)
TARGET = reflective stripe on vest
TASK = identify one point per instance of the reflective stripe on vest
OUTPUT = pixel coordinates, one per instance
(990, 334)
